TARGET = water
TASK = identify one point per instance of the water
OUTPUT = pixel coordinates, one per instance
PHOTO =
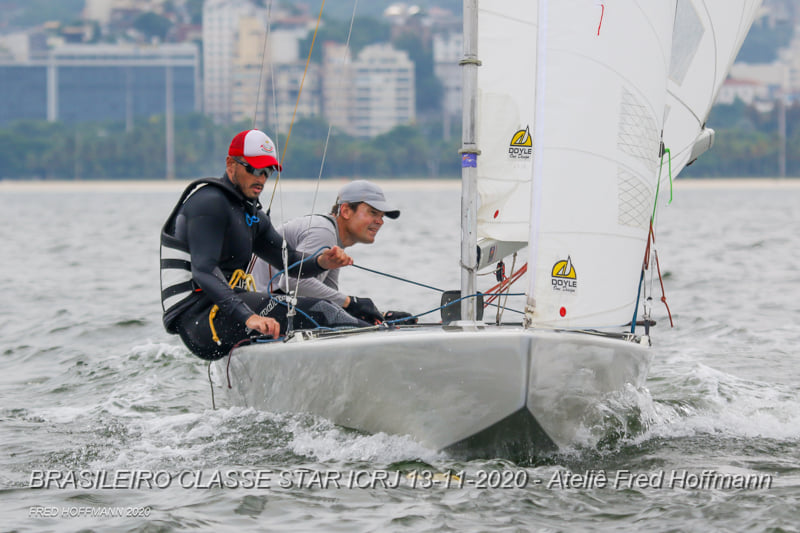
(92, 385)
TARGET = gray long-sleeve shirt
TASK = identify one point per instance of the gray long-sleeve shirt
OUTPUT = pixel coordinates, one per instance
(306, 234)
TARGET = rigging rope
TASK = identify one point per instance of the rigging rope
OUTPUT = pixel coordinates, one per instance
(345, 54)
(276, 136)
(290, 305)
(507, 283)
(299, 94)
(651, 249)
(500, 287)
(398, 278)
(500, 309)
(668, 153)
(263, 58)
(652, 238)
(211, 384)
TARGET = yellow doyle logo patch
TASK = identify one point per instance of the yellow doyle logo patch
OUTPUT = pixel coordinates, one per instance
(564, 277)
(521, 144)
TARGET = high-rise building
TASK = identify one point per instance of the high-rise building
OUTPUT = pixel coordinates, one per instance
(249, 73)
(383, 83)
(252, 71)
(224, 23)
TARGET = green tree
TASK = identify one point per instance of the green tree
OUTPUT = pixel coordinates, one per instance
(153, 25)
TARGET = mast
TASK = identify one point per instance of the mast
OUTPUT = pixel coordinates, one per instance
(469, 159)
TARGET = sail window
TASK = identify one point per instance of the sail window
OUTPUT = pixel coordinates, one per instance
(686, 36)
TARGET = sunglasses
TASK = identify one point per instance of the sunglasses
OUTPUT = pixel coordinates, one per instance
(266, 171)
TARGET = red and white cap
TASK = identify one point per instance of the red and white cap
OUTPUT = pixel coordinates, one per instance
(256, 148)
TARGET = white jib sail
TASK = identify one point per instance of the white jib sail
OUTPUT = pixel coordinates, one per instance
(598, 132)
(708, 35)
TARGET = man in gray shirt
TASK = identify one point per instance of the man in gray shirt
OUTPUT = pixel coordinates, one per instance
(356, 217)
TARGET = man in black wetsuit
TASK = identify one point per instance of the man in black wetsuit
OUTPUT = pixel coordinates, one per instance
(209, 238)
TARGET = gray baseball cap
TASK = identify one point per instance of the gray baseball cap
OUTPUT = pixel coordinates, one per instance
(369, 193)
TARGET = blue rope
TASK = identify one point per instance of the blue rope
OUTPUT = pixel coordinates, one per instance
(435, 289)
(652, 221)
(314, 255)
(638, 298)
(406, 280)
(399, 278)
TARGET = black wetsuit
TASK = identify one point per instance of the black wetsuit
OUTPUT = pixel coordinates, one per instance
(211, 233)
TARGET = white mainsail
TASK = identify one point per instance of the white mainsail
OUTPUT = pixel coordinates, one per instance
(506, 90)
(573, 97)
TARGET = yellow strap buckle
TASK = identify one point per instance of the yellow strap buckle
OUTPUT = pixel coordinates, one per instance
(238, 276)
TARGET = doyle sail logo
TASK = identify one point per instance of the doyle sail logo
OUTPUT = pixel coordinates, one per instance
(521, 146)
(564, 277)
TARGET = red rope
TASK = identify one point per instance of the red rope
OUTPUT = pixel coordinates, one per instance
(651, 238)
(663, 295)
(602, 12)
(500, 287)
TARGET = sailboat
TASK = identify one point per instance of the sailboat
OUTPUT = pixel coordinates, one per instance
(576, 114)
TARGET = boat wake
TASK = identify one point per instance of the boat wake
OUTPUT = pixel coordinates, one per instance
(708, 401)
(701, 402)
(323, 441)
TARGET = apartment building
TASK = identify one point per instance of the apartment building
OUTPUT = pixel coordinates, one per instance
(253, 72)
(370, 95)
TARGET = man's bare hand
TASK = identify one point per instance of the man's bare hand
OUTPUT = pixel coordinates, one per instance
(334, 258)
(264, 325)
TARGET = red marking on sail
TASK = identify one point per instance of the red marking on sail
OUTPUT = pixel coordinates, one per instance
(496, 213)
(602, 12)
(563, 312)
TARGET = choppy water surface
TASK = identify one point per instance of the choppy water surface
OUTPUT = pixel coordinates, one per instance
(92, 385)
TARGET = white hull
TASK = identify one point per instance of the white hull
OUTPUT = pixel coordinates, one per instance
(494, 392)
